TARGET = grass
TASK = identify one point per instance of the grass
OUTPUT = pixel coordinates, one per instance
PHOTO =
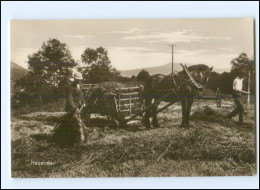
(212, 146)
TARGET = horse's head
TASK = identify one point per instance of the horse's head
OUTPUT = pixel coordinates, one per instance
(200, 73)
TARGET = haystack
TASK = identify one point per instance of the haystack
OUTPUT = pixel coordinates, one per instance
(67, 131)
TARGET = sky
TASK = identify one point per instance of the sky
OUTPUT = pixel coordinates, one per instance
(140, 43)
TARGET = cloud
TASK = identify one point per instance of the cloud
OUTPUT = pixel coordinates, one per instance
(78, 36)
(127, 31)
(173, 37)
(131, 49)
(143, 43)
(19, 55)
(124, 58)
(26, 49)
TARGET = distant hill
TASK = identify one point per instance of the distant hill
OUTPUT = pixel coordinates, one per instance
(163, 69)
(17, 72)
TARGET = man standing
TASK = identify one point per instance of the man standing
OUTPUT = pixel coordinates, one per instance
(75, 100)
(71, 127)
(74, 94)
(237, 96)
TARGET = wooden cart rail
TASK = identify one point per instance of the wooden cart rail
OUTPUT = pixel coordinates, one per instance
(129, 100)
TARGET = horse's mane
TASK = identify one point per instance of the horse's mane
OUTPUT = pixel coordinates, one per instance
(199, 67)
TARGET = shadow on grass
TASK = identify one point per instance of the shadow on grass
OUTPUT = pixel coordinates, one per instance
(103, 123)
(209, 115)
(45, 119)
(43, 137)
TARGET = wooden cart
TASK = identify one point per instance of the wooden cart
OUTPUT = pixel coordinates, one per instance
(128, 101)
(130, 104)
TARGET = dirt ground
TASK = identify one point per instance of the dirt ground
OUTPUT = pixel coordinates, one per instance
(212, 146)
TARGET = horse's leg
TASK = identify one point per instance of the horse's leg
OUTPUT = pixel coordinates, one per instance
(189, 104)
(184, 111)
(154, 115)
(147, 115)
(186, 98)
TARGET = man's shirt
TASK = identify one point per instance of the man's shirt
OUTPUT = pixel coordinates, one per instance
(238, 84)
(74, 97)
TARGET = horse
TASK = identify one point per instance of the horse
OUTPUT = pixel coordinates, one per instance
(180, 87)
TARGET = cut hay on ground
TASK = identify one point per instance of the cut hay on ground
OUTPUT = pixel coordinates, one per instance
(210, 147)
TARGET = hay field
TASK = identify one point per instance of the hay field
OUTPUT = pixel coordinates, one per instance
(212, 146)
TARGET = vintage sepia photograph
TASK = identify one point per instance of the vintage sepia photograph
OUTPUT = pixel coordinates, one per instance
(133, 98)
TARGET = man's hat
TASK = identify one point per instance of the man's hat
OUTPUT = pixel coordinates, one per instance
(76, 75)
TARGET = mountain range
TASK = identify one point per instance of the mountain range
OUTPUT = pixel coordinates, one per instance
(17, 72)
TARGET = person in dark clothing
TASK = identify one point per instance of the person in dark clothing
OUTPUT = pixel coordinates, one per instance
(238, 99)
(75, 102)
(74, 94)
(239, 106)
(74, 97)
(71, 128)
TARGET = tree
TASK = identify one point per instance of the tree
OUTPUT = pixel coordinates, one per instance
(99, 65)
(142, 75)
(214, 80)
(245, 66)
(242, 65)
(51, 62)
(241, 62)
(48, 67)
(97, 56)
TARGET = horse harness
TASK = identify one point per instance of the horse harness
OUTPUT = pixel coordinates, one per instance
(175, 87)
